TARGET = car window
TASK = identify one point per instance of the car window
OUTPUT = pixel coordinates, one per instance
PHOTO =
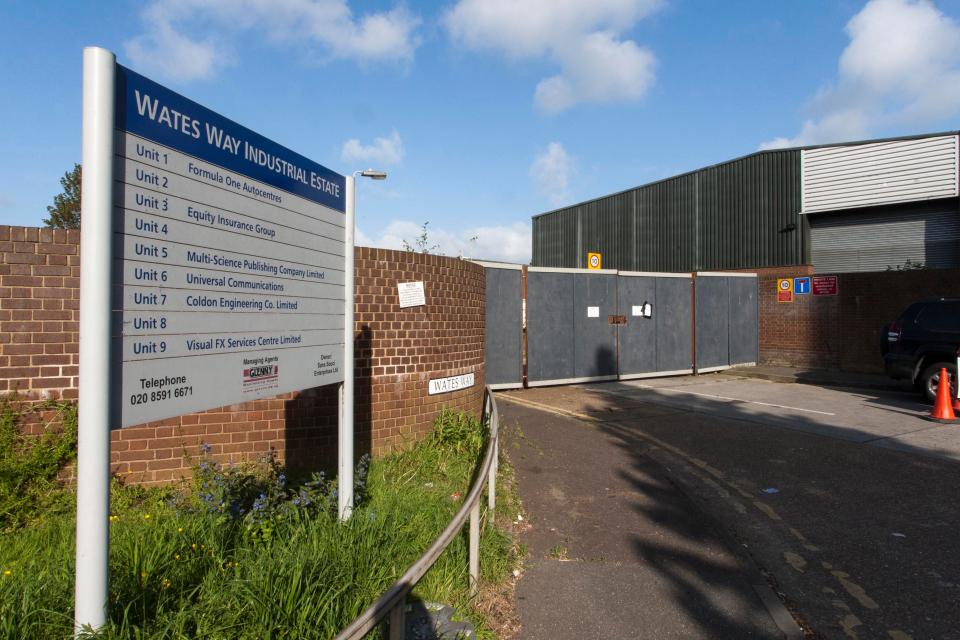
(941, 317)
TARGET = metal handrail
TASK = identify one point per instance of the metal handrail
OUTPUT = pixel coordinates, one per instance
(393, 600)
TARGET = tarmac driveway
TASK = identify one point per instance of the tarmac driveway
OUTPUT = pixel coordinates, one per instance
(845, 501)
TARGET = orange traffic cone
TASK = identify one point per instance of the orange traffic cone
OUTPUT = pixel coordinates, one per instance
(942, 409)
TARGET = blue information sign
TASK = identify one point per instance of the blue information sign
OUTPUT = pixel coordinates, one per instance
(152, 111)
(801, 286)
(229, 251)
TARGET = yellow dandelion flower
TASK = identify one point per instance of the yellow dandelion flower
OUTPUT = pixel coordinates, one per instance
(165, 584)
(143, 574)
(146, 516)
(176, 556)
(7, 572)
(193, 546)
(179, 529)
(114, 518)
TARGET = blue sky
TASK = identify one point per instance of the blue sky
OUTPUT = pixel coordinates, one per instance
(486, 112)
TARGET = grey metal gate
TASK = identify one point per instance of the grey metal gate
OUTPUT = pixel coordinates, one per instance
(569, 336)
(504, 321)
(727, 320)
(656, 339)
(587, 325)
(595, 337)
(744, 319)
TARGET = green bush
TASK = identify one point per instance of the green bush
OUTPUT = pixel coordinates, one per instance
(30, 464)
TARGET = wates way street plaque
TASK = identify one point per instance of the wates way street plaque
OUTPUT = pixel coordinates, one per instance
(229, 257)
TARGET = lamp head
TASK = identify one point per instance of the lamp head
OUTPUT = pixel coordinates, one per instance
(373, 174)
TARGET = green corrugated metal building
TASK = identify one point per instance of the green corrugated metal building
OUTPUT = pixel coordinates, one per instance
(822, 205)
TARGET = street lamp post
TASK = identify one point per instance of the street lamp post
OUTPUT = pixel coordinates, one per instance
(345, 453)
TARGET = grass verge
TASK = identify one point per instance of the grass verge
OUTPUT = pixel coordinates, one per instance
(248, 553)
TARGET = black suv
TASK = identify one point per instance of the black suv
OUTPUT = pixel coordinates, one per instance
(924, 339)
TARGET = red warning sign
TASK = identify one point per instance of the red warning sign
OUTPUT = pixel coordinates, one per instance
(825, 285)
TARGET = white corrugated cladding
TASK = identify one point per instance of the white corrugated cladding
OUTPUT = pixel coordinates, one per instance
(881, 239)
(875, 173)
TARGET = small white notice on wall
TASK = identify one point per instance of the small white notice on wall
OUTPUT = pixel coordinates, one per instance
(453, 383)
(644, 310)
(593, 312)
(411, 294)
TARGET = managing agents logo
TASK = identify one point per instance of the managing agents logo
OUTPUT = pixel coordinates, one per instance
(261, 377)
(254, 374)
(261, 373)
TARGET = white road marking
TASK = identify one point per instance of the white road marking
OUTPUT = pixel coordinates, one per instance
(716, 397)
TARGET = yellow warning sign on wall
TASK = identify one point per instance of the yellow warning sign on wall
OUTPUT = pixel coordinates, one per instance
(594, 261)
(785, 290)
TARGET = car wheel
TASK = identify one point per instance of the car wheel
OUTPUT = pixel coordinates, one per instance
(929, 380)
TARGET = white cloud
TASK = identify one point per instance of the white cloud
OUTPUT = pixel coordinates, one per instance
(173, 55)
(552, 170)
(383, 151)
(325, 29)
(597, 68)
(901, 68)
(582, 37)
(503, 243)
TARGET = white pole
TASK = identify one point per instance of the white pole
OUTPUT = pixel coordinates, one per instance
(93, 456)
(345, 483)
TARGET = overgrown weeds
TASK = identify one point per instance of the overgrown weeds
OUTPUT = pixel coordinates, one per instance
(246, 552)
(30, 464)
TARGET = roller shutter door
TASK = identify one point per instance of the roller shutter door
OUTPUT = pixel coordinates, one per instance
(887, 238)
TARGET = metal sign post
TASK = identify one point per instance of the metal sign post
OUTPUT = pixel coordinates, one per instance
(93, 446)
(345, 436)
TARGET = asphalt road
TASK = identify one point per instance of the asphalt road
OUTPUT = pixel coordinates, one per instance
(615, 550)
(851, 517)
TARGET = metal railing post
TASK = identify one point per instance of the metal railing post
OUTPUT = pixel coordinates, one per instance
(492, 483)
(398, 621)
(475, 549)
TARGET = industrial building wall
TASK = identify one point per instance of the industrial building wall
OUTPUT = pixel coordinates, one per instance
(748, 213)
(556, 239)
(879, 173)
(666, 216)
(739, 213)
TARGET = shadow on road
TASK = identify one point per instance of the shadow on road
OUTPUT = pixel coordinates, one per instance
(851, 535)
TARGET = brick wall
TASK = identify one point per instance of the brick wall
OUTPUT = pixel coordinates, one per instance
(39, 311)
(842, 331)
(397, 352)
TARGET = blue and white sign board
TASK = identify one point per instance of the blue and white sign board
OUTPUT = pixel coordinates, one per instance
(214, 271)
(229, 260)
(801, 286)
